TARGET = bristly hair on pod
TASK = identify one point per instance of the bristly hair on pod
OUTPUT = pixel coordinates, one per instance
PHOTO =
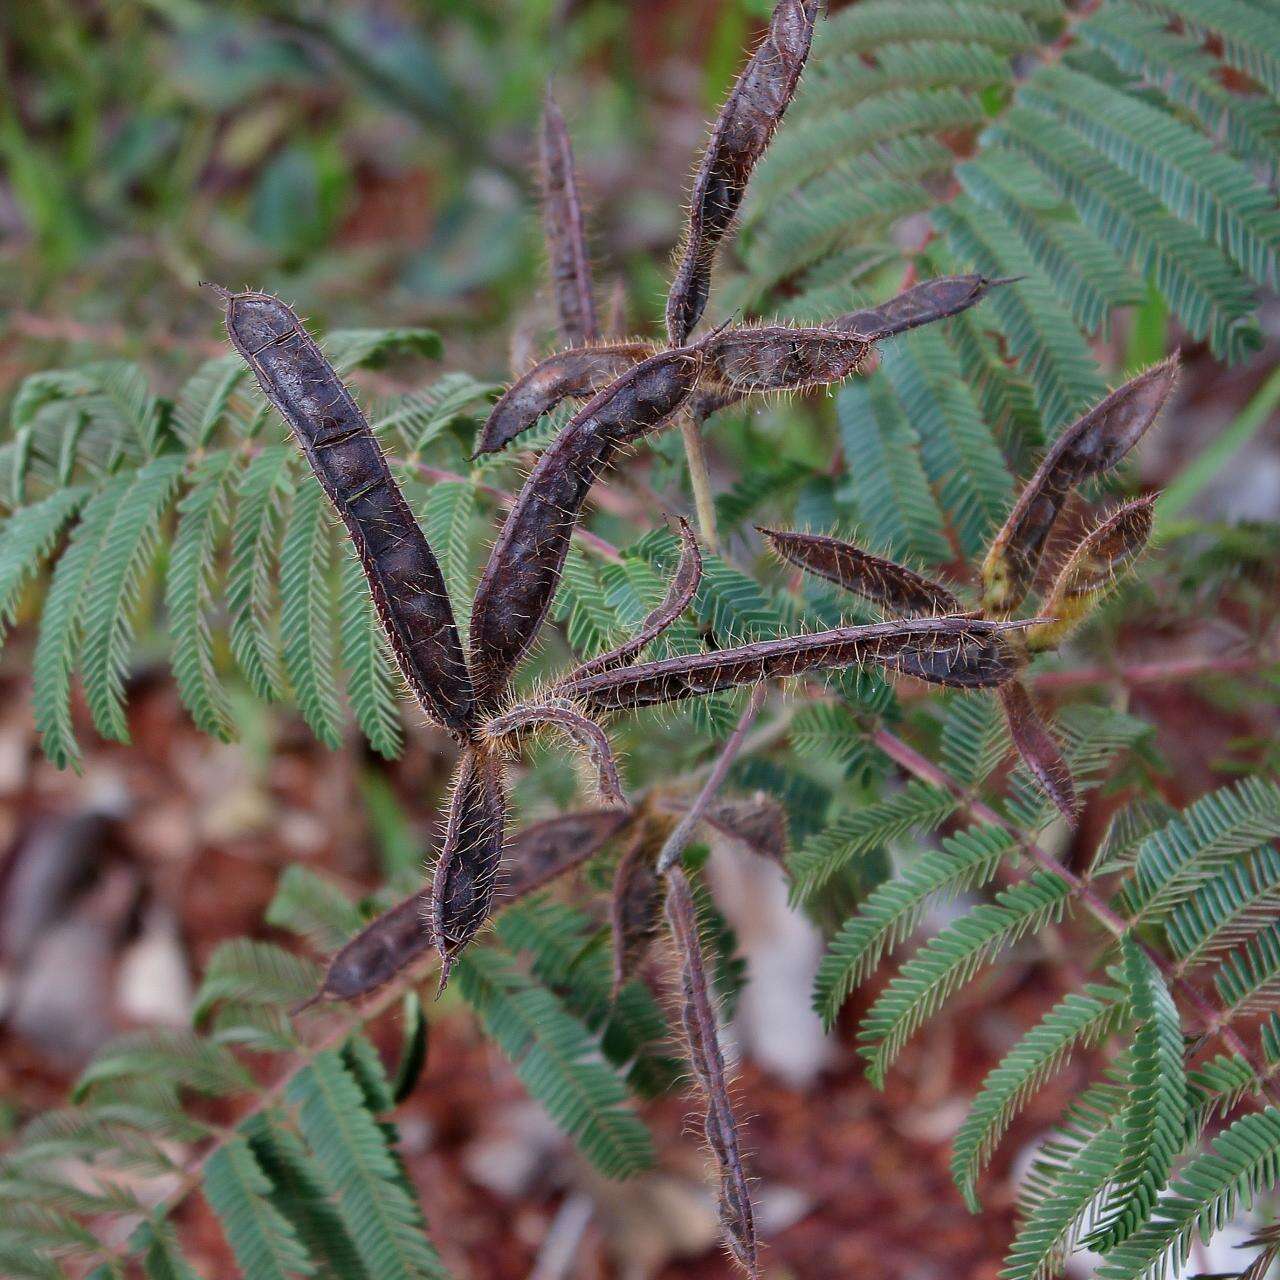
(586, 735)
(565, 230)
(537, 855)
(923, 303)
(405, 580)
(1092, 445)
(465, 874)
(635, 903)
(739, 137)
(698, 1019)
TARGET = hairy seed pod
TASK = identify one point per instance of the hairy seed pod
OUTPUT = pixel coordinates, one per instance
(563, 226)
(572, 374)
(965, 652)
(737, 1220)
(391, 943)
(466, 872)
(679, 593)
(922, 304)
(890, 585)
(758, 823)
(1039, 749)
(588, 736)
(404, 577)
(1092, 445)
(1091, 570)
(738, 139)
(779, 357)
(524, 567)
(635, 905)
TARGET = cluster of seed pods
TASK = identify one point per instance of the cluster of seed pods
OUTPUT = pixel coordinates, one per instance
(631, 389)
(1091, 446)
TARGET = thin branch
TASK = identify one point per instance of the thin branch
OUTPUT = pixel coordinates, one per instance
(695, 451)
(683, 833)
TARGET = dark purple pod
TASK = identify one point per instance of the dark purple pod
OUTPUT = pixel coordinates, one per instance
(739, 137)
(893, 586)
(565, 233)
(965, 652)
(697, 1014)
(1090, 446)
(922, 304)
(778, 357)
(404, 577)
(524, 567)
(537, 856)
(572, 374)
(635, 905)
(466, 873)
(1039, 749)
(681, 590)
(590, 739)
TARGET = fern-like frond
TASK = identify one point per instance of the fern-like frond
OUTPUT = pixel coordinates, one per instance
(1249, 42)
(1079, 1020)
(1154, 1117)
(1225, 910)
(1239, 1165)
(447, 515)
(895, 505)
(27, 538)
(918, 807)
(264, 484)
(373, 682)
(1200, 842)
(202, 514)
(306, 617)
(1249, 978)
(254, 972)
(202, 403)
(262, 1239)
(975, 738)
(894, 909)
(556, 1060)
(178, 1058)
(950, 960)
(383, 1219)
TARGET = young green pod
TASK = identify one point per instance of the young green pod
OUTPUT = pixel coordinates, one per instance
(565, 233)
(1039, 749)
(466, 871)
(962, 652)
(572, 374)
(737, 1218)
(1090, 446)
(680, 591)
(742, 131)
(923, 303)
(536, 856)
(892, 586)
(1091, 570)
(524, 567)
(404, 576)
(590, 739)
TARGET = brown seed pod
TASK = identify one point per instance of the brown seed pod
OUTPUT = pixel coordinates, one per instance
(758, 823)
(572, 374)
(1091, 570)
(466, 872)
(742, 131)
(565, 234)
(539, 854)
(922, 304)
(679, 593)
(964, 652)
(1090, 446)
(524, 567)
(404, 577)
(737, 1221)
(894, 587)
(778, 357)
(1039, 749)
(588, 736)
(635, 906)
